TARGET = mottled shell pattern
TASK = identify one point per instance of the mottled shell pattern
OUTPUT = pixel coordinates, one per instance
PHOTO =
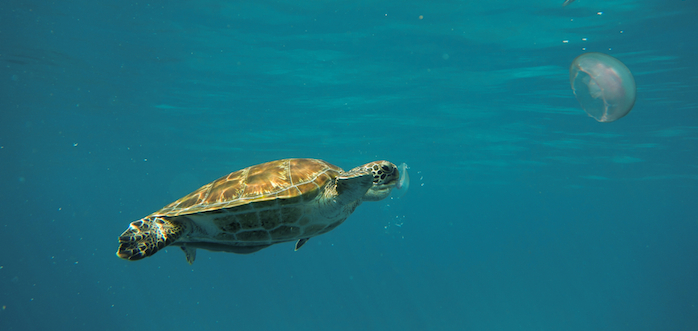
(282, 179)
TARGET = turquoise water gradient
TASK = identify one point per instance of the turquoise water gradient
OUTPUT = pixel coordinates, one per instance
(523, 213)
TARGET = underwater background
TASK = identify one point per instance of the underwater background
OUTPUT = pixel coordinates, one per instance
(523, 213)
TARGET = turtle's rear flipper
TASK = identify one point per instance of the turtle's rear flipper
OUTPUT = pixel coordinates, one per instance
(146, 236)
(300, 243)
(189, 253)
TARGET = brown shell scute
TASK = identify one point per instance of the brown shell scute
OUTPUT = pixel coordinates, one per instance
(266, 178)
(288, 181)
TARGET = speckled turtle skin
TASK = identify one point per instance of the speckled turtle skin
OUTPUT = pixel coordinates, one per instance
(261, 205)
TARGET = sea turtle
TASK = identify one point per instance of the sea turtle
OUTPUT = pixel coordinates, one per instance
(261, 205)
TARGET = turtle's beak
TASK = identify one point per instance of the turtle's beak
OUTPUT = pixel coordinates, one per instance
(378, 192)
(392, 182)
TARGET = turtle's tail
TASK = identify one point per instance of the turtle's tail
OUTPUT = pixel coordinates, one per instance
(146, 236)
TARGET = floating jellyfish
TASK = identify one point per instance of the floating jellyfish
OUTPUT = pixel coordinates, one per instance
(603, 85)
(403, 182)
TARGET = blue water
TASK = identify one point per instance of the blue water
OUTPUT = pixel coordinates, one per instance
(523, 213)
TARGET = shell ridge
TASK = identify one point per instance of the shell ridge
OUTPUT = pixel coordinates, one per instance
(288, 172)
(245, 174)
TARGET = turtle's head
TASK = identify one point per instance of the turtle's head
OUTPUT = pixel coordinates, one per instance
(385, 177)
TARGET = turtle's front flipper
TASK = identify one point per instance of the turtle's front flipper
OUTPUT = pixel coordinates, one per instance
(352, 185)
(146, 236)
